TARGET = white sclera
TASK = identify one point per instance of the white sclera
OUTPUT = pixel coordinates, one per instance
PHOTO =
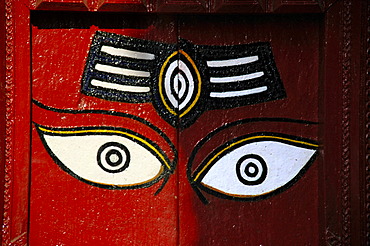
(79, 154)
(284, 162)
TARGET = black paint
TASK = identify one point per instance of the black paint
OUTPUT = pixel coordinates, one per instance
(113, 152)
(198, 187)
(249, 174)
(165, 174)
(199, 54)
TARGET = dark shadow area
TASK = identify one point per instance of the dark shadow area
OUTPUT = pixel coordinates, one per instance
(84, 20)
(117, 20)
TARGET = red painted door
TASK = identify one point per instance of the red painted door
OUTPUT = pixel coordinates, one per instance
(207, 148)
(128, 152)
(184, 129)
(257, 185)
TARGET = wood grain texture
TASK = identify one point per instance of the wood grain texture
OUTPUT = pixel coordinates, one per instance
(367, 126)
(343, 173)
(335, 163)
(2, 106)
(123, 6)
(9, 121)
(17, 122)
(179, 6)
(346, 122)
(296, 6)
(238, 6)
(186, 6)
(70, 5)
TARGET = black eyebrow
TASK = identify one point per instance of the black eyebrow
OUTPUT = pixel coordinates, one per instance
(222, 76)
(114, 113)
(250, 120)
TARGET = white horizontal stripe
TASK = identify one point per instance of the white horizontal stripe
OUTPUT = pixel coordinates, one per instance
(126, 88)
(236, 78)
(127, 53)
(232, 62)
(121, 71)
(238, 93)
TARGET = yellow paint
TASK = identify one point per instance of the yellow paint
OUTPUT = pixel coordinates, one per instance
(131, 185)
(65, 132)
(247, 139)
(235, 195)
(161, 88)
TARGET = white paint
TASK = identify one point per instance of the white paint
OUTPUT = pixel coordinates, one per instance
(118, 87)
(236, 78)
(127, 53)
(79, 154)
(186, 70)
(232, 62)
(121, 71)
(180, 82)
(238, 93)
(284, 162)
(168, 83)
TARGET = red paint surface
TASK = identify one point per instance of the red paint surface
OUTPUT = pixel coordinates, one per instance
(67, 211)
(307, 49)
(289, 218)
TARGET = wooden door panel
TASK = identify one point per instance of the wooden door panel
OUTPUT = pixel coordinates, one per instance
(61, 196)
(189, 6)
(127, 6)
(165, 6)
(258, 220)
(101, 5)
(304, 6)
(73, 5)
(225, 6)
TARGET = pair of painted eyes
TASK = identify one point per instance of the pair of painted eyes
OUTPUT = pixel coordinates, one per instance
(249, 166)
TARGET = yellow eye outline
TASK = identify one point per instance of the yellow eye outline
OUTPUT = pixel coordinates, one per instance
(160, 82)
(166, 168)
(61, 132)
(234, 144)
(196, 177)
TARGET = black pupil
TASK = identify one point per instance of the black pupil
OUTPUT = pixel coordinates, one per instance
(113, 157)
(251, 170)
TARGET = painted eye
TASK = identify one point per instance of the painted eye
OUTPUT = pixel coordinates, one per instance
(113, 158)
(255, 166)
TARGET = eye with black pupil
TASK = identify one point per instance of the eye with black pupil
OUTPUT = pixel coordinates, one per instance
(251, 169)
(113, 157)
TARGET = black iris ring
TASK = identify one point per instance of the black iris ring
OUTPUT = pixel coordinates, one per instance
(117, 150)
(112, 153)
(247, 169)
(255, 169)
